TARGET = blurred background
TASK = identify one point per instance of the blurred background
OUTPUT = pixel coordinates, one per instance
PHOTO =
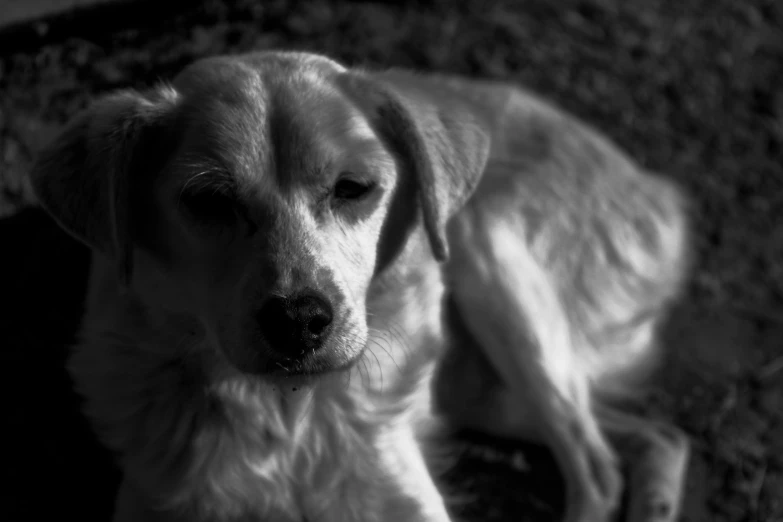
(691, 88)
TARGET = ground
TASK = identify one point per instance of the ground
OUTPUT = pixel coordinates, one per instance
(691, 88)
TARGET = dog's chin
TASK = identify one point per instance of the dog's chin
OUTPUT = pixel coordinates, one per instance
(309, 367)
(314, 368)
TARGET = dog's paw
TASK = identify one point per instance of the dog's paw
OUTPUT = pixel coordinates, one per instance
(594, 494)
(657, 476)
(590, 506)
(653, 505)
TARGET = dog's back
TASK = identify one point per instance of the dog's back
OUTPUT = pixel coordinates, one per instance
(563, 265)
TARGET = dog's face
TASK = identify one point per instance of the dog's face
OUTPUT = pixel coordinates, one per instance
(255, 194)
(270, 208)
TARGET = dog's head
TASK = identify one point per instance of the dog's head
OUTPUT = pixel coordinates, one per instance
(261, 194)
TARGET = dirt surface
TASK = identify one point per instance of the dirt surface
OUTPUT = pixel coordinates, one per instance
(690, 87)
(26, 11)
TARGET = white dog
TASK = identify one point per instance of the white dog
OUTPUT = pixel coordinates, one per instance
(302, 271)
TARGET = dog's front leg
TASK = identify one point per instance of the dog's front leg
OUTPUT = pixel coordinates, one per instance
(512, 307)
(412, 495)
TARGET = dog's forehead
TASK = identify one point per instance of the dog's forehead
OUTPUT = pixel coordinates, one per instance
(278, 116)
(246, 78)
(314, 126)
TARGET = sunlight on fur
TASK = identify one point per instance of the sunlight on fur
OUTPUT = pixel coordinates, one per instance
(307, 277)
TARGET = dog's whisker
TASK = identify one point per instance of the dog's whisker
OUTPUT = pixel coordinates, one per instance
(388, 354)
(377, 341)
(380, 367)
(395, 331)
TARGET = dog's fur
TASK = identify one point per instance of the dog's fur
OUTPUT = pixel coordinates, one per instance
(437, 220)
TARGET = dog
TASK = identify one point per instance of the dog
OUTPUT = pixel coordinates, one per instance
(305, 273)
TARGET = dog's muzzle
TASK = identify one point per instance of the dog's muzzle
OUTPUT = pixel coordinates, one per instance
(295, 325)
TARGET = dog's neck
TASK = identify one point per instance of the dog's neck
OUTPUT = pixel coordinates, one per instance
(188, 427)
(404, 316)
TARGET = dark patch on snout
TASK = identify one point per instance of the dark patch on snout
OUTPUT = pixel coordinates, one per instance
(324, 279)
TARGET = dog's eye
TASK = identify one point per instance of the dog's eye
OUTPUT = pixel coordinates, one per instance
(347, 188)
(210, 207)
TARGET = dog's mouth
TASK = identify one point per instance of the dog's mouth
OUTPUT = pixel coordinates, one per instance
(311, 366)
(332, 358)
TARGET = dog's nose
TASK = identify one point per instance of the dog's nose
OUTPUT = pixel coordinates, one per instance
(293, 325)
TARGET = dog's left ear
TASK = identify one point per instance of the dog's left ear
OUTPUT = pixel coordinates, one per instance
(440, 138)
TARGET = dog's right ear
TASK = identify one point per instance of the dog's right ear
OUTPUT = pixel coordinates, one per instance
(444, 142)
(83, 178)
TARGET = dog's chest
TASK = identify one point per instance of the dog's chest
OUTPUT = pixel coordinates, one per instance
(305, 458)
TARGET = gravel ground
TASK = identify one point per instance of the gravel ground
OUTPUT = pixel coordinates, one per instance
(689, 87)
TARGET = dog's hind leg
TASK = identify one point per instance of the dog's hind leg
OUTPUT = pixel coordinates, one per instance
(511, 306)
(657, 456)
